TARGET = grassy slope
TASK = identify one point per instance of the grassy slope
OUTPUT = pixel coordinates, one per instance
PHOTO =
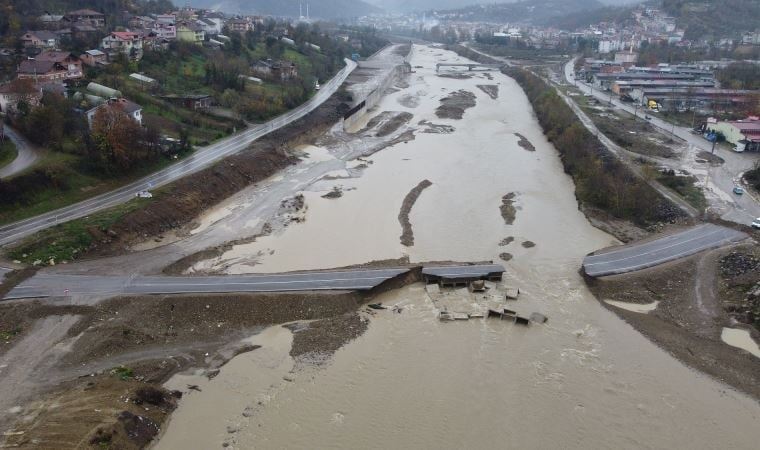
(8, 152)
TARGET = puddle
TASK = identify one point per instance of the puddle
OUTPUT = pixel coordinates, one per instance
(634, 307)
(741, 339)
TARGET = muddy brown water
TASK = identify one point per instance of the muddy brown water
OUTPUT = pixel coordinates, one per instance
(585, 379)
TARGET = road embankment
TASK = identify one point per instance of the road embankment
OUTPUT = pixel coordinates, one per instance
(180, 202)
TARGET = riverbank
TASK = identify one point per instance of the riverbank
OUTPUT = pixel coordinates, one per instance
(121, 347)
(694, 300)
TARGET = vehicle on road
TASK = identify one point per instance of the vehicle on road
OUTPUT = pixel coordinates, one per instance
(738, 190)
(144, 194)
(756, 223)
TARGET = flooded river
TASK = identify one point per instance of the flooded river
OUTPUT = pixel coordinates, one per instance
(585, 379)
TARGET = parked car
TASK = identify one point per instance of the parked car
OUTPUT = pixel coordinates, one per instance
(756, 223)
(738, 190)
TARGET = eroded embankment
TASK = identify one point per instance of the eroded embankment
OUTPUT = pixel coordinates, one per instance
(108, 385)
(692, 309)
(132, 344)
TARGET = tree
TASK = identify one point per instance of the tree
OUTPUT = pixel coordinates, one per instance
(118, 142)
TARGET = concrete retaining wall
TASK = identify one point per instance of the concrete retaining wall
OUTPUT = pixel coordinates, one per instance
(376, 95)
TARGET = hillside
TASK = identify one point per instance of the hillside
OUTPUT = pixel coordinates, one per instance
(427, 5)
(714, 18)
(527, 11)
(324, 9)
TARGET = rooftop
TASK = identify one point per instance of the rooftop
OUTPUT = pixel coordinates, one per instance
(84, 12)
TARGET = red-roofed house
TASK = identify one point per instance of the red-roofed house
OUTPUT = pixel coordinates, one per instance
(126, 42)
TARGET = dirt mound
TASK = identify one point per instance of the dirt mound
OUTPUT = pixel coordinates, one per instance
(436, 128)
(455, 105)
(190, 324)
(525, 143)
(455, 76)
(388, 122)
(409, 101)
(737, 263)
(506, 241)
(407, 235)
(491, 89)
(507, 208)
(336, 192)
(318, 340)
(711, 158)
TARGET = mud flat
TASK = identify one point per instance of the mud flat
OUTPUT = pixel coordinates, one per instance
(455, 105)
(492, 90)
(525, 143)
(507, 208)
(407, 234)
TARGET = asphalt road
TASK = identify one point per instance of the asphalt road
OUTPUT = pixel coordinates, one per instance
(46, 285)
(201, 159)
(28, 154)
(669, 248)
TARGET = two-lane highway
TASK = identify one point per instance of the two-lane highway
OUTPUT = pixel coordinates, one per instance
(51, 285)
(201, 159)
(669, 248)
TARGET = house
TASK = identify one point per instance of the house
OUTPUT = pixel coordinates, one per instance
(131, 109)
(744, 134)
(40, 39)
(190, 32)
(165, 30)
(51, 21)
(82, 30)
(239, 25)
(278, 70)
(123, 42)
(86, 16)
(190, 101)
(94, 58)
(141, 22)
(68, 60)
(210, 26)
(41, 71)
(12, 93)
